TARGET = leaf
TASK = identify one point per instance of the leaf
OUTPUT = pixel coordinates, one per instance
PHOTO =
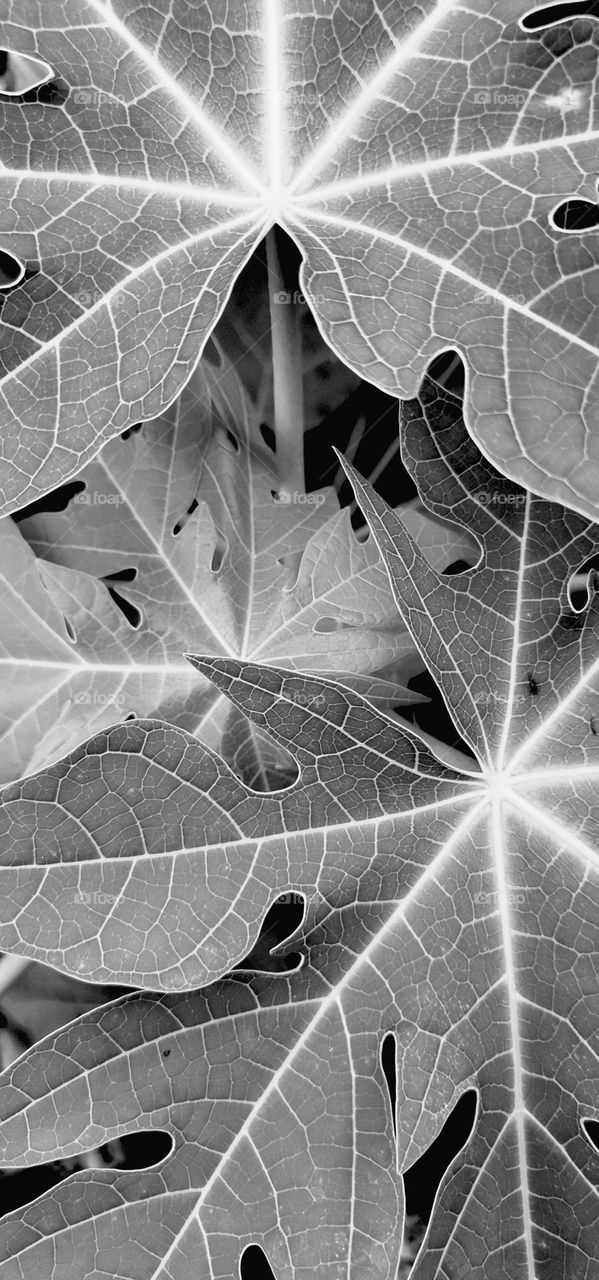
(421, 158)
(210, 562)
(458, 913)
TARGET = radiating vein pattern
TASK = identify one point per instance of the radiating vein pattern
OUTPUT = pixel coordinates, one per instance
(419, 155)
(456, 909)
(173, 544)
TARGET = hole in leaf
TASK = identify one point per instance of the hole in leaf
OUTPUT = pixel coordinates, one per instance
(135, 1151)
(268, 436)
(19, 73)
(280, 922)
(388, 1063)
(121, 575)
(220, 551)
(20, 1186)
(576, 216)
(422, 1179)
(254, 1264)
(145, 1149)
(180, 524)
(550, 14)
(456, 567)
(533, 685)
(591, 1132)
(578, 588)
(129, 610)
(11, 270)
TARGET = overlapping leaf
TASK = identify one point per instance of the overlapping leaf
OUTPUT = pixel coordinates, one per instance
(459, 915)
(186, 513)
(418, 154)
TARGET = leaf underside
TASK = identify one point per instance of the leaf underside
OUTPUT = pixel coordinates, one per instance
(175, 542)
(456, 911)
(419, 156)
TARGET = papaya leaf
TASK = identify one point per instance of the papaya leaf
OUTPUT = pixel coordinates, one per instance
(425, 159)
(456, 911)
(175, 541)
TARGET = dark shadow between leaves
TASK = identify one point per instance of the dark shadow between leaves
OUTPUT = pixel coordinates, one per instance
(144, 1150)
(56, 500)
(432, 716)
(447, 370)
(131, 431)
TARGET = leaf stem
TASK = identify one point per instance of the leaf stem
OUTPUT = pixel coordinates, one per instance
(288, 391)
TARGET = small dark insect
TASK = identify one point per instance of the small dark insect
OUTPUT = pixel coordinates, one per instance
(593, 725)
(165, 1053)
(532, 684)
